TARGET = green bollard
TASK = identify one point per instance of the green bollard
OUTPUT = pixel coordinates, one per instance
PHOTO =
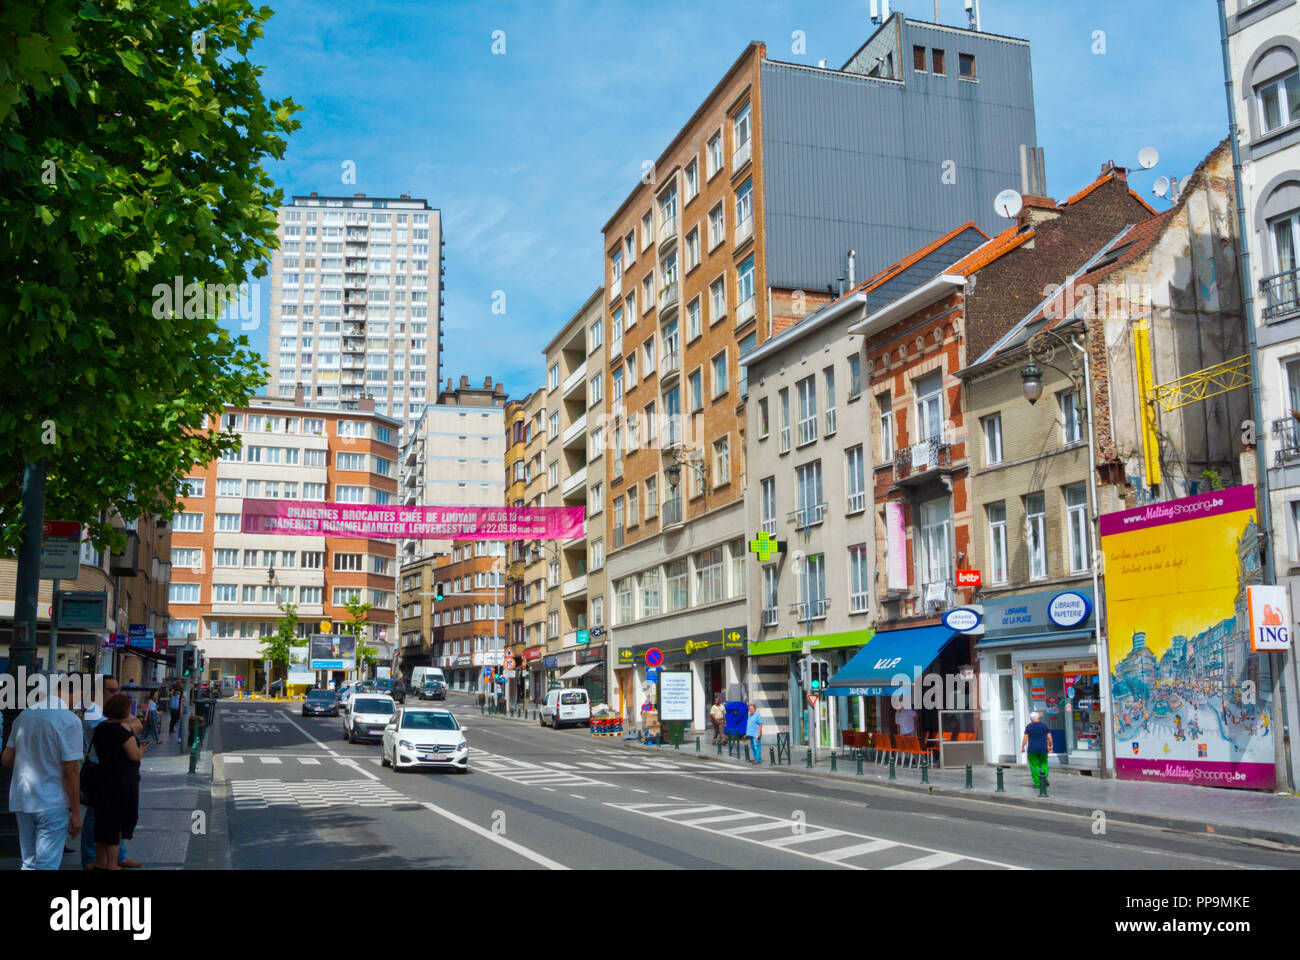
(970, 782)
(697, 744)
(772, 755)
(808, 761)
(194, 750)
(832, 762)
(893, 775)
(859, 763)
(925, 769)
(1042, 786)
(718, 744)
(1001, 788)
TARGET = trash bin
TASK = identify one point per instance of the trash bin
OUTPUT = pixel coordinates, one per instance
(737, 718)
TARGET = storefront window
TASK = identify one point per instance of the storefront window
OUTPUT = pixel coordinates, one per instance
(1068, 695)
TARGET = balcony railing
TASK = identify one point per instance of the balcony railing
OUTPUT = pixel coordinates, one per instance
(810, 610)
(808, 430)
(808, 516)
(1281, 294)
(741, 156)
(671, 362)
(858, 603)
(769, 526)
(744, 230)
(668, 296)
(920, 457)
(857, 502)
(745, 311)
(672, 511)
(667, 229)
(769, 616)
(1287, 433)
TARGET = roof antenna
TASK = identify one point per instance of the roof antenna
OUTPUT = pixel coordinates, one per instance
(973, 12)
(875, 11)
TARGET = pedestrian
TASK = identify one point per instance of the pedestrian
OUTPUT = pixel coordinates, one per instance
(152, 721)
(754, 731)
(94, 715)
(117, 787)
(906, 719)
(1037, 743)
(174, 710)
(44, 750)
(718, 714)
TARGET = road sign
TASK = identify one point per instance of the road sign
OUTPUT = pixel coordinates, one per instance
(510, 662)
(812, 699)
(654, 657)
(324, 626)
(60, 549)
(652, 674)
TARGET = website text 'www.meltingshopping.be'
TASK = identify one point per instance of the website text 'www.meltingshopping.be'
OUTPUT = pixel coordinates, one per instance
(1175, 925)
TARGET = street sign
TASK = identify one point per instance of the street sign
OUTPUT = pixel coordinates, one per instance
(652, 674)
(82, 610)
(60, 549)
(324, 626)
(510, 662)
(584, 636)
(654, 657)
(812, 699)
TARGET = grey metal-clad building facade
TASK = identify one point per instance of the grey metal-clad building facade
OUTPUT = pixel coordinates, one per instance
(857, 162)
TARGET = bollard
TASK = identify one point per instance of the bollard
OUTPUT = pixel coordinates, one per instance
(808, 761)
(718, 744)
(925, 769)
(832, 761)
(697, 744)
(970, 782)
(859, 763)
(194, 746)
(892, 774)
(1001, 788)
(1042, 786)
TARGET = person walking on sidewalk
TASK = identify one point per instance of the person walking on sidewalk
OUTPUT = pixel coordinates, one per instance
(718, 714)
(94, 715)
(152, 721)
(44, 751)
(174, 710)
(1037, 743)
(754, 731)
(117, 790)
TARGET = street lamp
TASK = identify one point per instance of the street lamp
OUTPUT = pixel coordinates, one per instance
(1042, 349)
(677, 457)
(270, 582)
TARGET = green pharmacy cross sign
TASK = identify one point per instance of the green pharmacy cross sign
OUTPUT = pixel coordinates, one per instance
(766, 546)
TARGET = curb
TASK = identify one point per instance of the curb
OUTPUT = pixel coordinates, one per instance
(1182, 824)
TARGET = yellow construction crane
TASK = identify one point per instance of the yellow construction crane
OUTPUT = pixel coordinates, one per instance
(1195, 387)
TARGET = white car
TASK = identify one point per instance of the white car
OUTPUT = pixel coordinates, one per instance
(565, 705)
(424, 737)
(345, 692)
(366, 717)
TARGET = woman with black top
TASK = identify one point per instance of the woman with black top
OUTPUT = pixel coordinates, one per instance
(117, 786)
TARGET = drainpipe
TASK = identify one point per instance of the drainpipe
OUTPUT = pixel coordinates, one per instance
(1286, 763)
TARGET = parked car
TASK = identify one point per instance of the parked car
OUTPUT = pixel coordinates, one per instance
(367, 716)
(565, 705)
(391, 687)
(433, 690)
(320, 703)
(424, 737)
(276, 688)
(419, 675)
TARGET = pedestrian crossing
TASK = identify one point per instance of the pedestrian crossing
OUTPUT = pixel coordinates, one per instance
(575, 772)
(841, 848)
(264, 794)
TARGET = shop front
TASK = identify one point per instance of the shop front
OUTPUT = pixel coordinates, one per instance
(716, 661)
(531, 660)
(460, 672)
(1039, 654)
(589, 673)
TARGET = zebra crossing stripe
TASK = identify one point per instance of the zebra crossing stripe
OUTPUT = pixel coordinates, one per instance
(758, 827)
(927, 863)
(722, 819)
(804, 838)
(232, 759)
(270, 760)
(690, 810)
(858, 849)
(309, 761)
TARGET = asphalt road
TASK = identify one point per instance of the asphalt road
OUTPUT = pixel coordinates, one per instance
(296, 795)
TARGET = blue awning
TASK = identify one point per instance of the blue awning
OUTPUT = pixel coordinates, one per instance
(872, 671)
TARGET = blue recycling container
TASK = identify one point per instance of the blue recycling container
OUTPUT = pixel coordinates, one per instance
(737, 718)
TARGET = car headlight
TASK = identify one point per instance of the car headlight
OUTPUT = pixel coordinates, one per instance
(406, 744)
(462, 745)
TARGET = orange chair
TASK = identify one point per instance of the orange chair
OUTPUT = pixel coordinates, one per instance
(966, 737)
(883, 746)
(909, 746)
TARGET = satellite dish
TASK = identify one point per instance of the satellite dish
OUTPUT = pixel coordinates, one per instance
(1161, 187)
(1008, 204)
(1148, 157)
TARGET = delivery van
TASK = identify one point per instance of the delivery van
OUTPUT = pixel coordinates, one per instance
(421, 674)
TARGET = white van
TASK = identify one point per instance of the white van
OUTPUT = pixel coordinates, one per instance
(565, 705)
(421, 674)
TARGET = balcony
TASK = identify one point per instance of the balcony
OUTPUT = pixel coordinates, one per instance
(575, 587)
(667, 231)
(615, 288)
(808, 516)
(575, 380)
(670, 366)
(575, 482)
(741, 156)
(807, 430)
(810, 610)
(1286, 433)
(575, 434)
(1281, 295)
(411, 479)
(857, 502)
(668, 297)
(921, 461)
(769, 616)
(859, 603)
(672, 512)
(744, 230)
(769, 526)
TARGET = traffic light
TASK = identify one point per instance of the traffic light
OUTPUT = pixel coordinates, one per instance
(438, 594)
(187, 661)
(819, 675)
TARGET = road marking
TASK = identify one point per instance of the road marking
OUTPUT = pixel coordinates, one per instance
(722, 819)
(577, 797)
(758, 827)
(688, 810)
(232, 759)
(562, 766)
(287, 719)
(594, 766)
(270, 759)
(927, 863)
(261, 794)
(310, 761)
(804, 838)
(497, 838)
(844, 853)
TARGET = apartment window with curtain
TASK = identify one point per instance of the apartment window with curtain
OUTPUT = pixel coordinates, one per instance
(997, 520)
(651, 492)
(992, 438)
(784, 395)
(714, 153)
(812, 588)
(828, 376)
(1279, 101)
(855, 376)
(1036, 535)
(807, 388)
(672, 417)
(1071, 421)
(858, 586)
(855, 479)
(1076, 507)
(768, 500)
(769, 595)
(695, 389)
(928, 391)
(721, 461)
(650, 593)
(886, 415)
(736, 552)
(708, 576)
(676, 579)
(808, 493)
(934, 560)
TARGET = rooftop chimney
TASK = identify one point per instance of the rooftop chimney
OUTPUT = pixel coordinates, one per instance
(297, 395)
(366, 403)
(464, 381)
(487, 383)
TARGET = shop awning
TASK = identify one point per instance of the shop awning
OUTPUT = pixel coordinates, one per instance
(890, 653)
(578, 671)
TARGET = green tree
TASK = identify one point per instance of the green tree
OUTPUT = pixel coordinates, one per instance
(356, 625)
(276, 647)
(132, 138)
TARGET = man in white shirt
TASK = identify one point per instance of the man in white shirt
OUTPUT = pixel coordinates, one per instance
(45, 752)
(906, 721)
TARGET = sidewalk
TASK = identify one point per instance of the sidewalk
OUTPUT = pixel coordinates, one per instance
(164, 837)
(1242, 814)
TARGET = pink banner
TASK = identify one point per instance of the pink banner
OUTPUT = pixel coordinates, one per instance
(1244, 776)
(392, 522)
(1176, 511)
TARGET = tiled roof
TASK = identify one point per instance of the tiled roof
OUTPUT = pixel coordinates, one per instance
(986, 253)
(871, 283)
(1091, 187)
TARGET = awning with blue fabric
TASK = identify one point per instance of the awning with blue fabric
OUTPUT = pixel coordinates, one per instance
(888, 654)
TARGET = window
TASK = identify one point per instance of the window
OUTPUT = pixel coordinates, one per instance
(313, 559)
(313, 491)
(648, 350)
(228, 488)
(349, 494)
(764, 424)
(597, 554)
(187, 522)
(966, 64)
(992, 438)
(1036, 535)
(626, 600)
(595, 336)
(597, 611)
(651, 496)
(596, 498)
(720, 374)
(692, 250)
(691, 176)
(553, 378)
(347, 561)
(745, 298)
(1071, 422)
(768, 504)
(675, 578)
(812, 588)
(769, 595)
(650, 432)
(342, 595)
(858, 599)
(721, 461)
(740, 147)
(617, 379)
(191, 487)
(997, 517)
(938, 60)
(552, 474)
(918, 58)
(934, 559)
(188, 557)
(714, 153)
(228, 522)
(855, 479)
(672, 417)
(885, 407)
(225, 593)
(717, 300)
(708, 576)
(222, 558)
(929, 406)
(692, 320)
(631, 370)
(553, 425)
(1076, 506)
(828, 376)
(855, 376)
(596, 390)
(183, 593)
(351, 461)
(313, 458)
(619, 517)
(1279, 99)
(650, 595)
(717, 226)
(808, 494)
(695, 389)
(633, 506)
(784, 394)
(807, 388)
(553, 574)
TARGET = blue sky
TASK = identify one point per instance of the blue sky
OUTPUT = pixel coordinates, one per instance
(527, 154)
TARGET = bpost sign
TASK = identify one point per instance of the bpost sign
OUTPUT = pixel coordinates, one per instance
(1270, 615)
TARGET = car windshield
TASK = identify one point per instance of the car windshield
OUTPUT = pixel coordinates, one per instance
(431, 684)
(319, 695)
(423, 720)
(570, 698)
(369, 705)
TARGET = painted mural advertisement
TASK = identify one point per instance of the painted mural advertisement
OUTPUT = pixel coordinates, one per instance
(1192, 702)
